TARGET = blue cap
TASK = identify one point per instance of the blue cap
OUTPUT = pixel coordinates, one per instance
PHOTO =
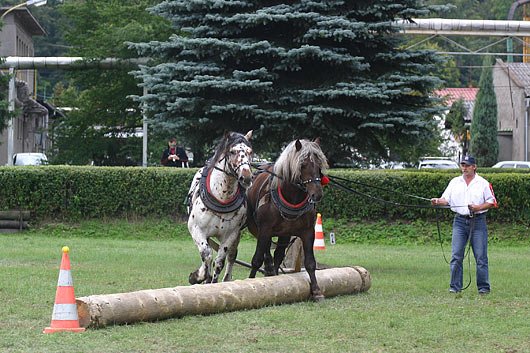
(469, 160)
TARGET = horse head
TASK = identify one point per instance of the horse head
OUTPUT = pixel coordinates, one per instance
(238, 155)
(312, 162)
(300, 166)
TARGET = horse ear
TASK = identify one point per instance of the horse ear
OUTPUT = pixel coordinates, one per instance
(298, 145)
(248, 136)
(226, 134)
(317, 141)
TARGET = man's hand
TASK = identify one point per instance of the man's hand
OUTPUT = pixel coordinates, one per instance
(438, 201)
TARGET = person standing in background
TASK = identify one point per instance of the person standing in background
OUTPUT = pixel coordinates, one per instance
(173, 155)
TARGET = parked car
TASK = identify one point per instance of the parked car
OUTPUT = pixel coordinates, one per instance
(32, 158)
(437, 163)
(512, 164)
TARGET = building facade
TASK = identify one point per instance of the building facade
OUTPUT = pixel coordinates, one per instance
(31, 123)
(512, 90)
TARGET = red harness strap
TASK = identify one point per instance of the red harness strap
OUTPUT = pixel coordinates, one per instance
(287, 203)
(236, 195)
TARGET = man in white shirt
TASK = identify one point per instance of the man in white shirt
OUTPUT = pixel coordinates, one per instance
(470, 196)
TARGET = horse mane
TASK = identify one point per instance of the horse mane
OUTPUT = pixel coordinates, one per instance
(229, 139)
(289, 163)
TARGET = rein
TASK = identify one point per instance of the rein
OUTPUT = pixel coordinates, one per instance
(334, 182)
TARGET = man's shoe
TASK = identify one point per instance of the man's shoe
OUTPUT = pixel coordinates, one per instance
(483, 292)
(454, 291)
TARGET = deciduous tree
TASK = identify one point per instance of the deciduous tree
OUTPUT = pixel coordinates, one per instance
(103, 111)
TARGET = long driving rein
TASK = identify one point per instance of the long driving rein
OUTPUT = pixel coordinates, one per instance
(334, 182)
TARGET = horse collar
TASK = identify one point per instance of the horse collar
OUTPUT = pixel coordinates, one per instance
(287, 209)
(214, 204)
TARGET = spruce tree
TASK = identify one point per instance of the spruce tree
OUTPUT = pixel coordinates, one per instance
(292, 69)
(484, 144)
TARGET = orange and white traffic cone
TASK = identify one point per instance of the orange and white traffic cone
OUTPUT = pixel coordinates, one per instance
(64, 317)
(319, 243)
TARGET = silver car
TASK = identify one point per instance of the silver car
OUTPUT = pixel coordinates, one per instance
(512, 164)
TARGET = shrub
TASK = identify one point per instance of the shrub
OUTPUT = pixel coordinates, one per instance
(71, 192)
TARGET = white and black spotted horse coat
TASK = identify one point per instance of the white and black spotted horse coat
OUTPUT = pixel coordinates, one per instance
(218, 207)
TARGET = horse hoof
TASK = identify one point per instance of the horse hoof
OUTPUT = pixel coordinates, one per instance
(318, 298)
(193, 278)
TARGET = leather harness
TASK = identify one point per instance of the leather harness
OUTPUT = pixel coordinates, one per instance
(287, 209)
(214, 204)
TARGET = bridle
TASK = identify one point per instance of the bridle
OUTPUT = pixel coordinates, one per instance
(229, 170)
(303, 183)
(232, 172)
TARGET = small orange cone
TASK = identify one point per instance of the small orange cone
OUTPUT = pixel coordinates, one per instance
(64, 317)
(319, 243)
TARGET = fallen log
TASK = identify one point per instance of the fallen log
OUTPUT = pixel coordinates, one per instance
(15, 215)
(12, 224)
(202, 299)
(14, 220)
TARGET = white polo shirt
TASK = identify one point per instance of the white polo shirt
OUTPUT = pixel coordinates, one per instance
(459, 194)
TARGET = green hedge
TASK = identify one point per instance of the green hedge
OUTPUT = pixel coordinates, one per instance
(68, 192)
(511, 189)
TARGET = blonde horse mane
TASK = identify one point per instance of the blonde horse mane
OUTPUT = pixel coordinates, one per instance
(289, 163)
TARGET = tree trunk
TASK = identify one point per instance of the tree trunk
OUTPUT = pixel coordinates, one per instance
(294, 257)
(203, 299)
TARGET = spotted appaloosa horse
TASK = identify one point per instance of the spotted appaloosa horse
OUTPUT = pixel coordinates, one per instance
(218, 205)
(281, 202)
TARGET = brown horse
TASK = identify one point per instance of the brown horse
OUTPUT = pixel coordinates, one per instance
(281, 202)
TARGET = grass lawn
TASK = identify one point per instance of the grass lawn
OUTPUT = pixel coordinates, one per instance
(407, 309)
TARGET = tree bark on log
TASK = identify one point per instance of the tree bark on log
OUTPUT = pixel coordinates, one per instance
(202, 299)
(15, 215)
(7, 224)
